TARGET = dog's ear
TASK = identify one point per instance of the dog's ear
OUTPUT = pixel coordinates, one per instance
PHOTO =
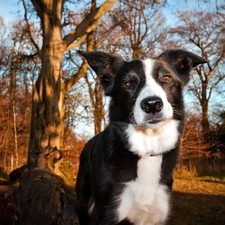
(182, 61)
(105, 66)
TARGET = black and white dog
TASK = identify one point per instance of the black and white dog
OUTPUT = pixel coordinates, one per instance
(125, 173)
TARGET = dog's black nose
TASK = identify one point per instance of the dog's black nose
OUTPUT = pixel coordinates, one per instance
(152, 104)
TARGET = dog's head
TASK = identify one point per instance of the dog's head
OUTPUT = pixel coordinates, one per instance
(146, 93)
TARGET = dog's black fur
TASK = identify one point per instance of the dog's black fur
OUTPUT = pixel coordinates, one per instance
(107, 163)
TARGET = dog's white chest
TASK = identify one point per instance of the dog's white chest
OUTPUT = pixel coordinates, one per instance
(144, 201)
(153, 142)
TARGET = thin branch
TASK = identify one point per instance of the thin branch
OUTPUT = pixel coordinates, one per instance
(28, 28)
(38, 7)
(75, 78)
(78, 42)
(89, 23)
(214, 85)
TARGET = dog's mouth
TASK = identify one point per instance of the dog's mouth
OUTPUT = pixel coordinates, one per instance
(154, 120)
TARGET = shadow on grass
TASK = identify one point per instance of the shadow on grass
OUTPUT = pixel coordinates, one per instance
(197, 209)
(215, 181)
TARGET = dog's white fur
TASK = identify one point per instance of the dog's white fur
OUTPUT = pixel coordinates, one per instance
(149, 143)
(139, 195)
(153, 142)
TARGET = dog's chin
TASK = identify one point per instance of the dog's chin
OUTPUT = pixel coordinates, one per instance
(154, 123)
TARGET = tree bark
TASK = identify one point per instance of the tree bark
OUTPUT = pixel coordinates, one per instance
(204, 107)
(45, 123)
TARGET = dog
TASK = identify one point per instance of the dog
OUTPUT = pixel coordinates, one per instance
(125, 172)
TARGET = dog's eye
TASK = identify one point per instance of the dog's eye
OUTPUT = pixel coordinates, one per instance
(166, 78)
(126, 85)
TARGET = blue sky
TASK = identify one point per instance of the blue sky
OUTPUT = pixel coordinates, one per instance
(9, 8)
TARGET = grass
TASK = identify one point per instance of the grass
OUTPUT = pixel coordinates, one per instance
(198, 201)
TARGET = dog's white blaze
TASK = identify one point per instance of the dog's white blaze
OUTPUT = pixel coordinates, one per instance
(145, 201)
(151, 88)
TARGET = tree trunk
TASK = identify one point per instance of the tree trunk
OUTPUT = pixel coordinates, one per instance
(44, 197)
(45, 123)
(205, 117)
(15, 132)
(99, 111)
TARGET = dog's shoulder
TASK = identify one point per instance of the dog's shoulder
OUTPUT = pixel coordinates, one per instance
(113, 135)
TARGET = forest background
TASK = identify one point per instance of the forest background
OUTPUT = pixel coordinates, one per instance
(135, 31)
(51, 103)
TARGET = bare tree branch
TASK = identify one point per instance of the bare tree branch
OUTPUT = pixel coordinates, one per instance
(28, 28)
(38, 8)
(89, 23)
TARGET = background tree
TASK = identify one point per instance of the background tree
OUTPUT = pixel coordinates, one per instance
(204, 33)
(192, 144)
(139, 29)
(91, 85)
(17, 75)
(219, 135)
(97, 102)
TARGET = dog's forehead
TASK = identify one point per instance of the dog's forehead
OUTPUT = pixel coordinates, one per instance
(139, 67)
(144, 68)
(148, 65)
(133, 66)
(153, 67)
